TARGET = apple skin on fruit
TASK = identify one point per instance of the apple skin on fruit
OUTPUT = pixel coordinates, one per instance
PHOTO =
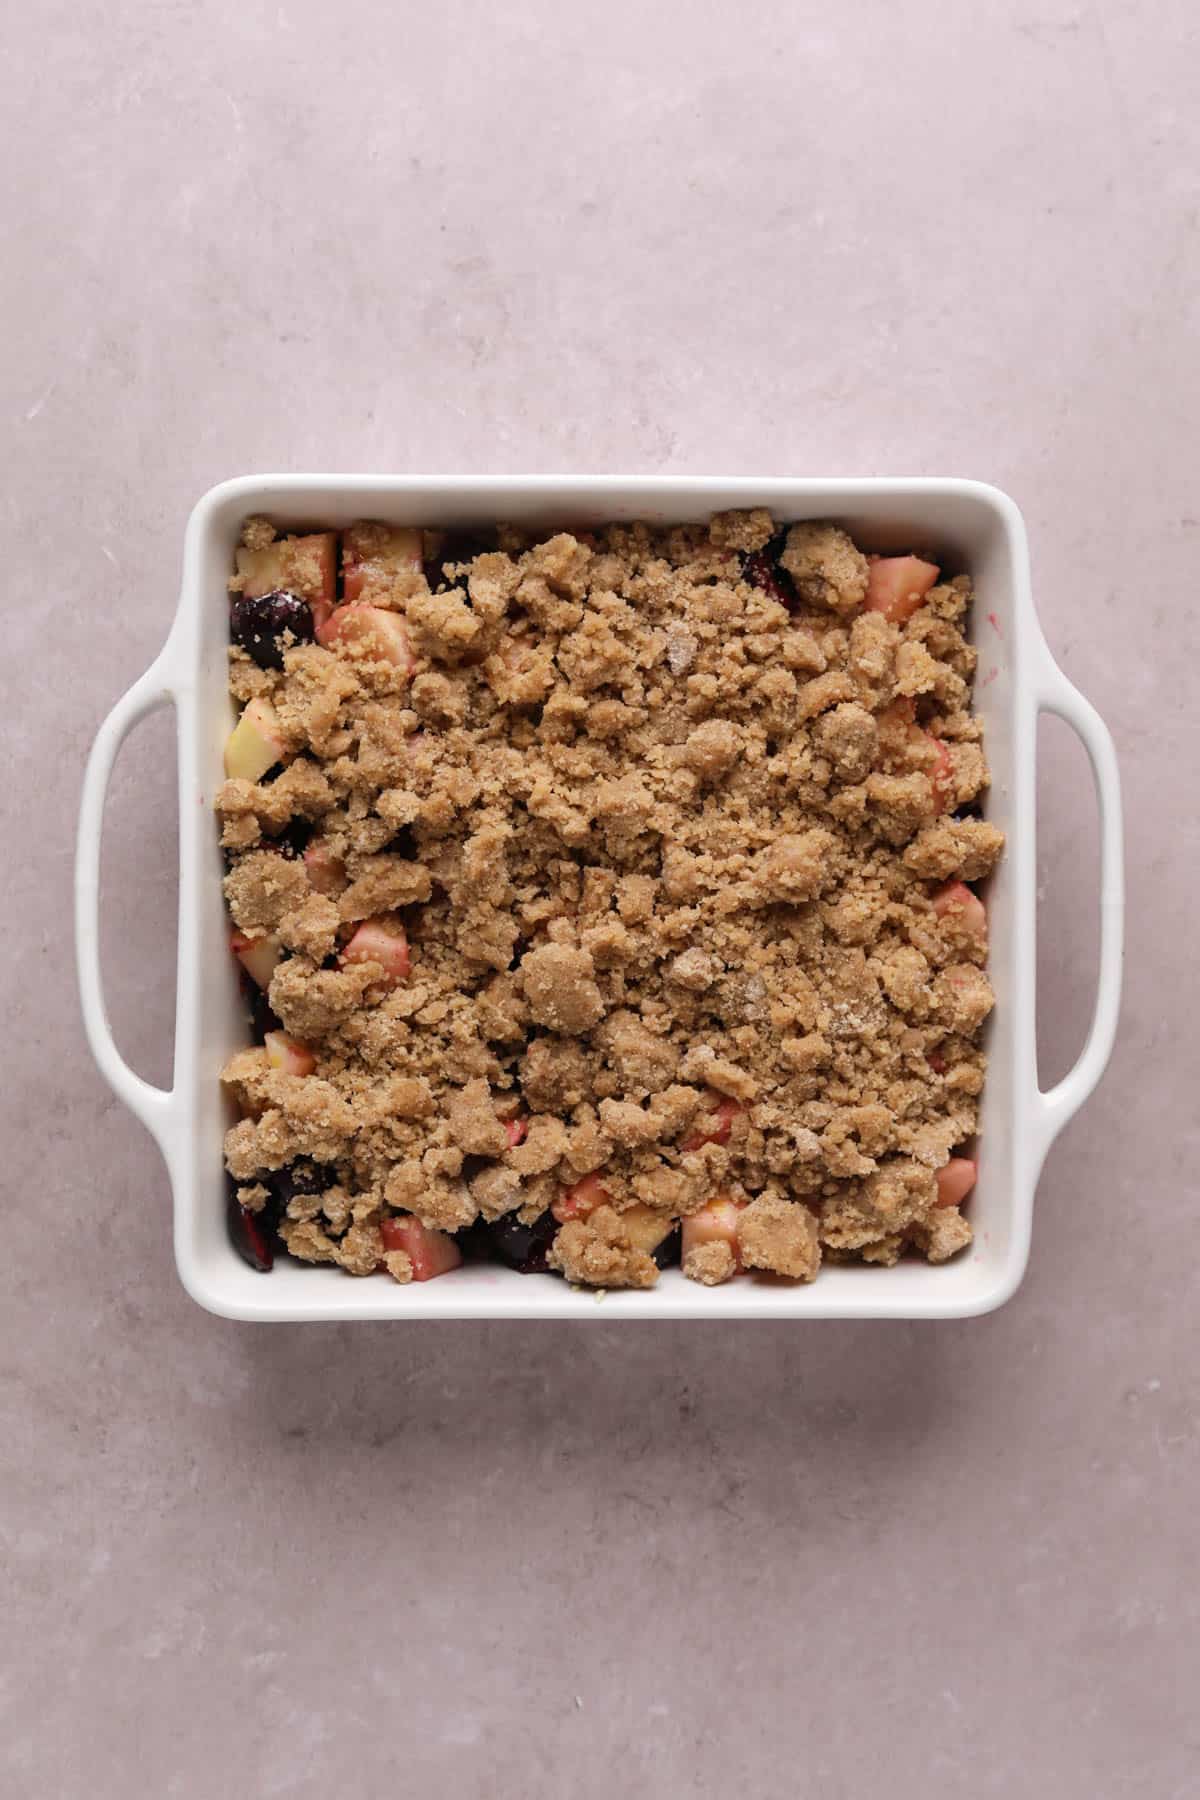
(715, 1223)
(955, 1180)
(258, 956)
(289, 1055)
(382, 941)
(581, 1198)
(379, 633)
(430, 1252)
(897, 585)
(956, 901)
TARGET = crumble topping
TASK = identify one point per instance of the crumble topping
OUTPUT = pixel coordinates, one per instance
(615, 858)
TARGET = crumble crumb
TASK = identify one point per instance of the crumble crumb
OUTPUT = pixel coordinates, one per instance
(942, 1234)
(597, 1252)
(827, 568)
(779, 1235)
(710, 1264)
(560, 989)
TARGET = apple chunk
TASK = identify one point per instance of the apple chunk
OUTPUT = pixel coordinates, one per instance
(956, 901)
(715, 1223)
(254, 745)
(372, 554)
(377, 632)
(897, 585)
(382, 941)
(955, 1180)
(258, 956)
(288, 1054)
(581, 1198)
(430, 1252)
(646, 1228)
(299, 565)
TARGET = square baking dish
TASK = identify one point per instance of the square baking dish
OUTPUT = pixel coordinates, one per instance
(968, 526)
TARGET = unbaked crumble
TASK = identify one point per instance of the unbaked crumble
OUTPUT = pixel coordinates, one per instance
(603, 901)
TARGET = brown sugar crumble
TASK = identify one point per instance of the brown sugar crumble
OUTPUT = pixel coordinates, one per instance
(603, 901)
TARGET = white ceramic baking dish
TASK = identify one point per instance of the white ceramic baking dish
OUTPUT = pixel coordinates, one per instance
(969, 526)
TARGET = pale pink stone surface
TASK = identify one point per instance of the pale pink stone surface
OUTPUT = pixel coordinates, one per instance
(840, 1560)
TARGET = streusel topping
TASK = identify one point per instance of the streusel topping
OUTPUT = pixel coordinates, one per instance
(665, 822)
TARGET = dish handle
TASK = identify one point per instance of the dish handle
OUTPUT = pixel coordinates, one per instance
(157, 688)
(1059, 1104)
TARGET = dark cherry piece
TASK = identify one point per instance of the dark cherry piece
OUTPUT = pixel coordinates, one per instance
(474, 1241)
(404, 844)
(304, 1176)
(252, 1234)
(258, 625)
(668, 1252)
(459, 547)
(262, 1019)
(255, 1235)
(522, 1247)
(761, 569)
(293, 840)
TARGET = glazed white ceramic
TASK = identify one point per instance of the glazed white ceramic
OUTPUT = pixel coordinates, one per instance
(968, 526)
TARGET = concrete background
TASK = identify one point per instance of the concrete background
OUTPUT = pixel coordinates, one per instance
(468, 1561)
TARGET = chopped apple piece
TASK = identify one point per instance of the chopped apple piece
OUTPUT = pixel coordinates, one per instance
(326, 872)
(897, 585)
(430, 1252)
(715, 1223)
(372, 553)
(254, 744)
(288, 1054)
(956, 901)
(955, 1180)
(382, 941)
(581, 1198)
(258, 956)
(380, 633)
(646, 1228)
(716, 1126)
(298, 565)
